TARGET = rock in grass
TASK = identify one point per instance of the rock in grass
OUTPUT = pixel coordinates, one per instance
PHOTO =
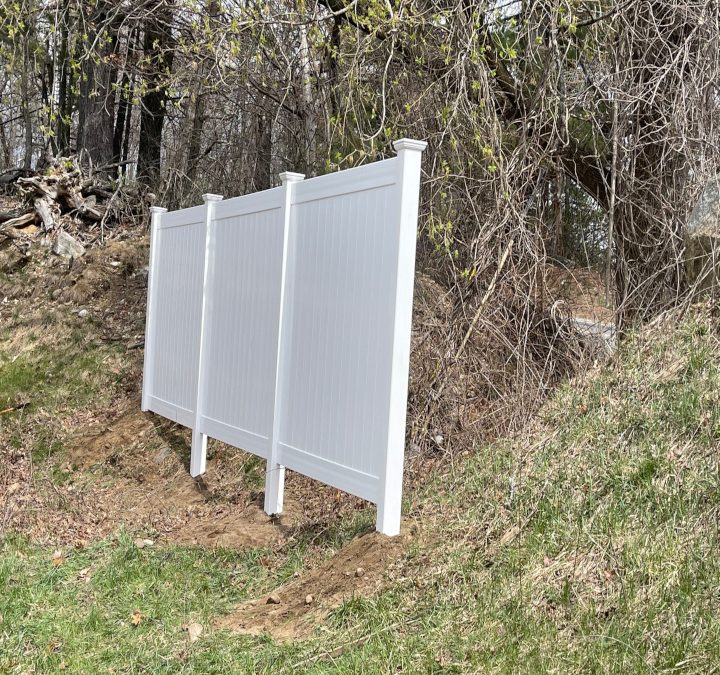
(702, 241)
(273, 599)
(67, 246)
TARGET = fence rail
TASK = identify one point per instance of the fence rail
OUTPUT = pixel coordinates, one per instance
(279, 322)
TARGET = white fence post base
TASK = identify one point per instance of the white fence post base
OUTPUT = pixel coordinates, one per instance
(388, 519)
(274, 489)
(198, 453)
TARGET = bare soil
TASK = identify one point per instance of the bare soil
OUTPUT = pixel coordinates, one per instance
(294, 610)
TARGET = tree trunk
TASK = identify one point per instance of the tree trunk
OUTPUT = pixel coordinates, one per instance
(309, 104)
(5, 145)
(62, 125)
(263, 171)
(26, 113)
(124, 110)
(97, 98)
(192, 158)
(158, 50)
(194, 146)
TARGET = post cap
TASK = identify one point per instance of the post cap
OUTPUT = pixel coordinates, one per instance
(210, 197)
(409, 144)
(158, 209)
(291, 177)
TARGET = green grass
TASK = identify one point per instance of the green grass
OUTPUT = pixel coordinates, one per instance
(80, 613)
(589, 545)
(52, 381)
(56, 378)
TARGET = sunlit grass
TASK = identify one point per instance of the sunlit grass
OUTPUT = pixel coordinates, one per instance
(589, 544)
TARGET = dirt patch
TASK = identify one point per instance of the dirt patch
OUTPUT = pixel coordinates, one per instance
(247, 528)
(147, 486)
(129, 469)
(294, 610)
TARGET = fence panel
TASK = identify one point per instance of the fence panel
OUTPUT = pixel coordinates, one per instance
(241, 320)
(337, 347)
(279, 322)
(174, 316)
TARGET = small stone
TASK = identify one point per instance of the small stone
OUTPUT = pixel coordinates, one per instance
(359, 572)
(308, 599)
(273, 599)
(56, 293)
(82, 313)
(67, 246)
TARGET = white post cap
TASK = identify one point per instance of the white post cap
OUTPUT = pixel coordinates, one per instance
(158, 209)
(409, 144)
(210, 197)
(291, 177)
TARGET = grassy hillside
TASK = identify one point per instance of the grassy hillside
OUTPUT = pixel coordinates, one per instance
(588, 544)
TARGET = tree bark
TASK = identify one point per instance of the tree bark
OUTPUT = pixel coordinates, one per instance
(263, 173)
(97, 97)
(26, 113)
(194, 146)
(62, 125)
(124, 110)
(158, 50)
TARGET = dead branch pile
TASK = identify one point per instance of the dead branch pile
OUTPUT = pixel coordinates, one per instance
(66, 206)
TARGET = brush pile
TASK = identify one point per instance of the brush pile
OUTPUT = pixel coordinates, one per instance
(70, 209)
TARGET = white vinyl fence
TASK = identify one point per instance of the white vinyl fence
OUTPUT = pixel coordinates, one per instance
(279, 322)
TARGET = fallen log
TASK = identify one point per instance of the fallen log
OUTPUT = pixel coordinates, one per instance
(63, 198)
(45, 210)
(96, 191)
(21, 221)
(39, 186)
(10, 215)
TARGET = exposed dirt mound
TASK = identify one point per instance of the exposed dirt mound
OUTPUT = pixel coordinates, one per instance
(295, 609)
(151, 488)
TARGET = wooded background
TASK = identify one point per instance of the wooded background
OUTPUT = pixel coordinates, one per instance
(572, 132)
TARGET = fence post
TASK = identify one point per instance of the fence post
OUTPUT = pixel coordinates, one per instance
(198, 448)
(391, 480)
(156, 214)
(275, 472)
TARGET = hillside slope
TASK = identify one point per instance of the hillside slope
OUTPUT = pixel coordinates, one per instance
(587, 544)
